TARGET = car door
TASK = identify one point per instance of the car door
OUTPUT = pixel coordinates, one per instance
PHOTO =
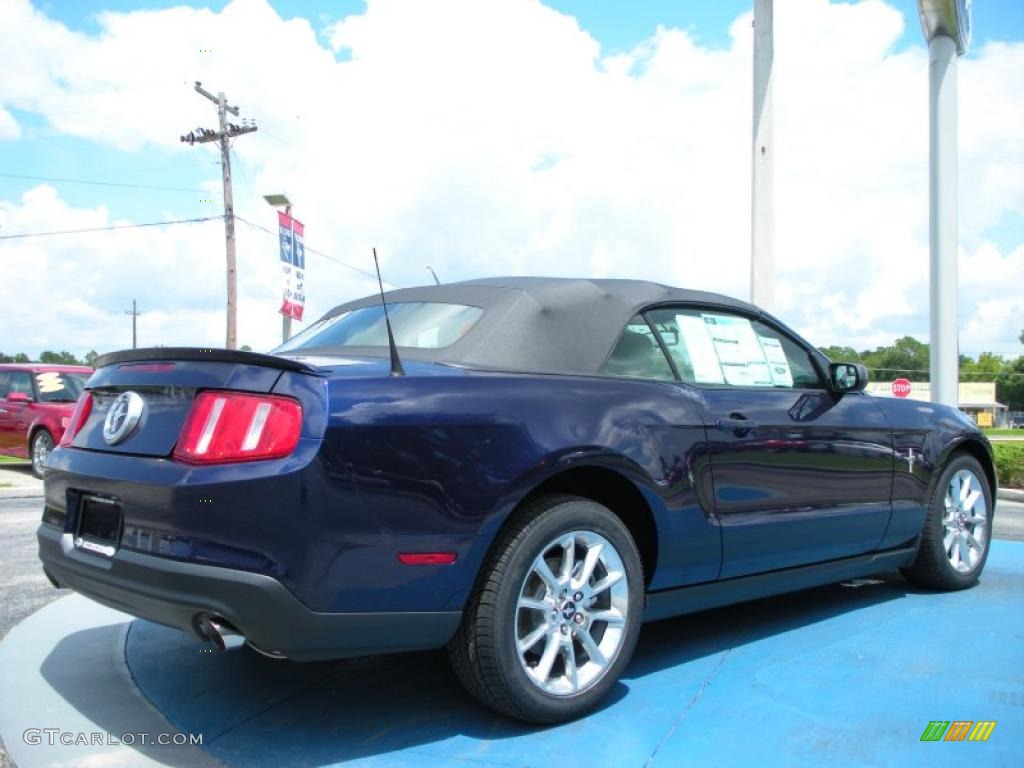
(6, 428)
(801, 474)
(15, 417)
(674, 453)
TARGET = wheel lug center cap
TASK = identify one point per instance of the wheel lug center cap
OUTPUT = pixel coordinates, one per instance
(568, 609)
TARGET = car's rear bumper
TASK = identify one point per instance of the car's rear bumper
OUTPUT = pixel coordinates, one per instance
(177, 594)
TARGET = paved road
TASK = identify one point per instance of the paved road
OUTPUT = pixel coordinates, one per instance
(24, 587)
(22, 584)
(1009, 520)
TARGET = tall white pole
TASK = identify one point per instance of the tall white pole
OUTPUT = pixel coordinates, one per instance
(762, 224)
(942, 227)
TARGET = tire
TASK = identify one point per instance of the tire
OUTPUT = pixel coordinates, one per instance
(39, 448)
(959, 523)
(559, 676)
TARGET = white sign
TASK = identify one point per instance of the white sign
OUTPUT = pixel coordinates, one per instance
(703, 358)
(778, 364)
(739, 351)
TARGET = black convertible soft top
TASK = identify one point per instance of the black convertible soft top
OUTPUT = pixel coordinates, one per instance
(533, 324)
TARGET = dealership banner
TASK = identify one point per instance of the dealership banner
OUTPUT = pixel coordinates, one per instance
(293, 265)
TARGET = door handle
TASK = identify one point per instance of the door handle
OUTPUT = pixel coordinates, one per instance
(735, 423)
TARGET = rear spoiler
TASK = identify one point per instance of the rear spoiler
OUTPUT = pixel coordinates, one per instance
(215, 355)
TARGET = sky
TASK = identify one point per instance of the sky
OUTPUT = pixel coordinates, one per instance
(493, 137)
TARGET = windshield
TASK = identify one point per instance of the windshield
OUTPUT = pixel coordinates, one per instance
(57, 387)
(423, 325)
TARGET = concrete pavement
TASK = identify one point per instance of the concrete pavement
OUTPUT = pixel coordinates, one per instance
(63, 668)
(17, 480)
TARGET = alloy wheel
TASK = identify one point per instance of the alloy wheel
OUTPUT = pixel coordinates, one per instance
(571, 613)
(965, 521)
(42, 444)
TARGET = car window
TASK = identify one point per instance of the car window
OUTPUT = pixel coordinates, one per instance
(801, 369)
(5, 383)
(716, 348)
(424, 325)
(19, 382)
(59, 387)
(637, 354)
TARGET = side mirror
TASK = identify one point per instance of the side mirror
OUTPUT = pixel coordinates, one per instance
(19, 397)
(847, 377)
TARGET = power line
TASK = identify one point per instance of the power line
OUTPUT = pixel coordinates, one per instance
(318, 253)
(111, 227)
(248, 223)
(96, 183)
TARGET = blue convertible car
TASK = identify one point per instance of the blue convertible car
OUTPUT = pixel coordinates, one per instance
(533, 469)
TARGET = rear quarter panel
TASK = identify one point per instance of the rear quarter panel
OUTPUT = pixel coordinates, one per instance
(439, 462)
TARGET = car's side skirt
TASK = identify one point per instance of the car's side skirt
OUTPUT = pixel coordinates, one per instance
(700, 597)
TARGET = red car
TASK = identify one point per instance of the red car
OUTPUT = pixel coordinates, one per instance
(36, 401)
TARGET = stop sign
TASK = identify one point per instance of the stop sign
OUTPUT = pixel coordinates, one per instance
(901, 387)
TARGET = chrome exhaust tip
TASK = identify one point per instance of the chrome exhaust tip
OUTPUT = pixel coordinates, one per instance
(220, 632)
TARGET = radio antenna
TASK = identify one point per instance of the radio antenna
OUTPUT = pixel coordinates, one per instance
(396, 363)
(432, 272)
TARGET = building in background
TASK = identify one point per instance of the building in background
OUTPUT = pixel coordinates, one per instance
(976, 398)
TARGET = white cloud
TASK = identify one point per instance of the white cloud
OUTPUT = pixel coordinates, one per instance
(490, 138)
(9, 128)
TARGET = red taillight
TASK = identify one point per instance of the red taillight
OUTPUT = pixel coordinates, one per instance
(78, 418)
(233, 426)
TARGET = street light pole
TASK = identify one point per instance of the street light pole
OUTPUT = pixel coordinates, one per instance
(762, 216)
(277, 201)
(286, 320)
(942, 229)
(947, 28)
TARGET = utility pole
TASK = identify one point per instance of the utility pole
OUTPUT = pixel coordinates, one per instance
(134, 313)
(201, 136)
(762, 225)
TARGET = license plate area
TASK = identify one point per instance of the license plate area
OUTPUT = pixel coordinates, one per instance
(99, 525)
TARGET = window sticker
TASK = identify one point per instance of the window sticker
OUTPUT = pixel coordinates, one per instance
(703, 358)
(49, 382)
(739, 351)
(778, 363)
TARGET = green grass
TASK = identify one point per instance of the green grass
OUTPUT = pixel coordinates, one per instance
(1004, 432)
(1010, 464)
(11, 460)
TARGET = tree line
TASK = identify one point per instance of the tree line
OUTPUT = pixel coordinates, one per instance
(906, 358)
(66, 358)
(54, 358)
(909, 358)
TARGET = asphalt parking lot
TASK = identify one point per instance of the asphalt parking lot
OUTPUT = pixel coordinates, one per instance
(770, 668)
